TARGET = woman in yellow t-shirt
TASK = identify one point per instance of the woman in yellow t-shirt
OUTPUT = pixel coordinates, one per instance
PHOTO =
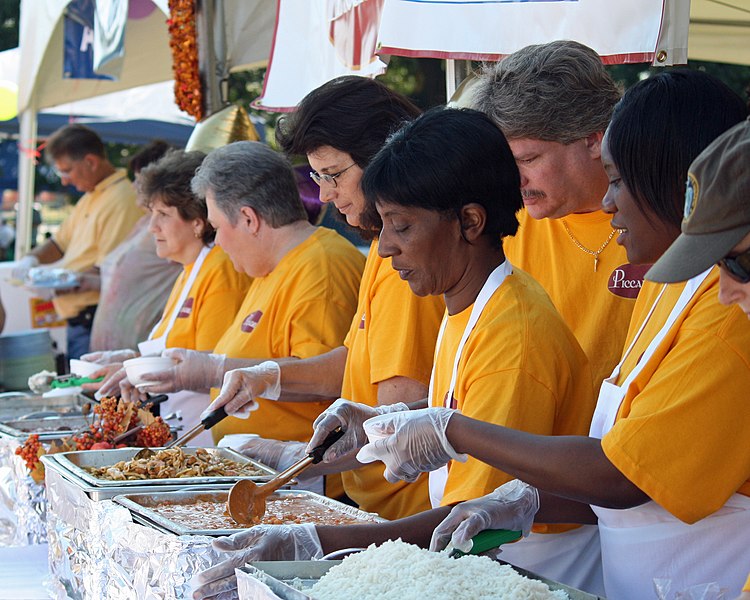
(447, 189)
(304, 288)
(204, 298)
(665, 470)
(387, 354)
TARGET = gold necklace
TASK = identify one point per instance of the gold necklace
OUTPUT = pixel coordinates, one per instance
(580, 246)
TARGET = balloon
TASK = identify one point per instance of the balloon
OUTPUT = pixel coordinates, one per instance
(463, 97)
(8, 100)
(230, 124)
(140, 9)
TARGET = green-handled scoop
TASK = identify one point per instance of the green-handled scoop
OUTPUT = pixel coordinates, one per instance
(487, 540)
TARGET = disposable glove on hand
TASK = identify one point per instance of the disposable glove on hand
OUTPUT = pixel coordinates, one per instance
(409, 443)
(193, 370)
(262, 542)
(274, 453)
(511, 506)
(23, 266)
(350, 416)
(108, 357)
(282, 455)
(242, 386)
(113, 374)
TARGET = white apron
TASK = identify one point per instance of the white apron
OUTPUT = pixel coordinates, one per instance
(439, 477)
(572, 557)
(640, 544)
(187, 404)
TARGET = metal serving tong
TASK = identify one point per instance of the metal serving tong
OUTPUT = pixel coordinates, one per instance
(247, 501)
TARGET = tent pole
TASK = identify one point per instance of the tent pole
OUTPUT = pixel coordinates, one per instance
(26, 170)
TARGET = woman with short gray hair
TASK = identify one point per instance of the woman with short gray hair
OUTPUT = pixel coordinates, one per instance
(301, 302)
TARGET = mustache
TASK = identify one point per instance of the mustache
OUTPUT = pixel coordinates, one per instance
(532, 194)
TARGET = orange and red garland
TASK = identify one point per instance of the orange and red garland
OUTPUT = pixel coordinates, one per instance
(183, 42)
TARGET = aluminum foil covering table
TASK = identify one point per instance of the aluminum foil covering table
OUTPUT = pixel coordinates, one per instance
(97, 551)
(23, 502)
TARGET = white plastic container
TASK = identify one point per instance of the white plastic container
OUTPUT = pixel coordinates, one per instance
(137, 367)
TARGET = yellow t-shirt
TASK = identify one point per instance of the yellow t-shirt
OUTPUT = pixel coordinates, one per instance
(302, 308)
(681, 431)
(521, 367)
(392, 334)
(595, 305)
(99, 222)
(210, 307)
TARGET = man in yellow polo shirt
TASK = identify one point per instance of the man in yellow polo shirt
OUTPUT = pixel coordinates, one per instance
(553, 102)
(101, 219)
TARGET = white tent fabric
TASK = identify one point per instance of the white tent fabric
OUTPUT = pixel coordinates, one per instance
(620, 31)
(154, 102)
(147, 59)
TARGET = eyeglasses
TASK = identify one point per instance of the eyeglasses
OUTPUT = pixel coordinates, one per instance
(737, 267)
(330, 179)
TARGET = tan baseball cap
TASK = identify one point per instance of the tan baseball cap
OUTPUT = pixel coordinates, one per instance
(717, 208)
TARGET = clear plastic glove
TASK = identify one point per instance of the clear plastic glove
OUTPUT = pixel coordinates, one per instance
(23, 266)
(127, 392)
(242, 386)
(193, 370)
(263, 542)
(107, 357)
(113, 373)
(409, 443)
(511, 506)
(282, 455)
(274, 453)
(350, 416)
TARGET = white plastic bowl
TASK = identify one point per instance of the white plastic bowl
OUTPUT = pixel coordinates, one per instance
(135, 368)
(82, 368)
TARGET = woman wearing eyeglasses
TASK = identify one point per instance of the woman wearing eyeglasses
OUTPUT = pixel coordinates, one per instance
(665, 470)
(386, 357)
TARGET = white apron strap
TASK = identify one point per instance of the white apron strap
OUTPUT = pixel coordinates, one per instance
(183, 295)
(611, 395)
(439, 477)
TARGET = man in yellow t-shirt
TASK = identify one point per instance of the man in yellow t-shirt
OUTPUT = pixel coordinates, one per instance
(101, 219)
(553, 102)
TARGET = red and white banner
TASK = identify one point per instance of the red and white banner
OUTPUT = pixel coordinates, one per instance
(621, 31)
(316, 41)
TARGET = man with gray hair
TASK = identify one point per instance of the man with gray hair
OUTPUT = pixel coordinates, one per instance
(553, 102)
(300, 304)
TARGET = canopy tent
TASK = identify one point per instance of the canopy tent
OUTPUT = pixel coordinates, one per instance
(720, 31)
(246, 37)
(132, 116)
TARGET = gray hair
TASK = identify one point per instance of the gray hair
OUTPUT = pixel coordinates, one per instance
(251, 174)
(557, 92)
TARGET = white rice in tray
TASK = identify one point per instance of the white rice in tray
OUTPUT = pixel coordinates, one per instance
(396, 570)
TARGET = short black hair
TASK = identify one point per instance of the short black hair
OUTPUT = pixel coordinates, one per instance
(659, 126)
(444, 160)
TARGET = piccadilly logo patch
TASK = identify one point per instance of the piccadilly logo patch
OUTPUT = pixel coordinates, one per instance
(691, 195)
(251, 321)
(626, 280)
(186, 309)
